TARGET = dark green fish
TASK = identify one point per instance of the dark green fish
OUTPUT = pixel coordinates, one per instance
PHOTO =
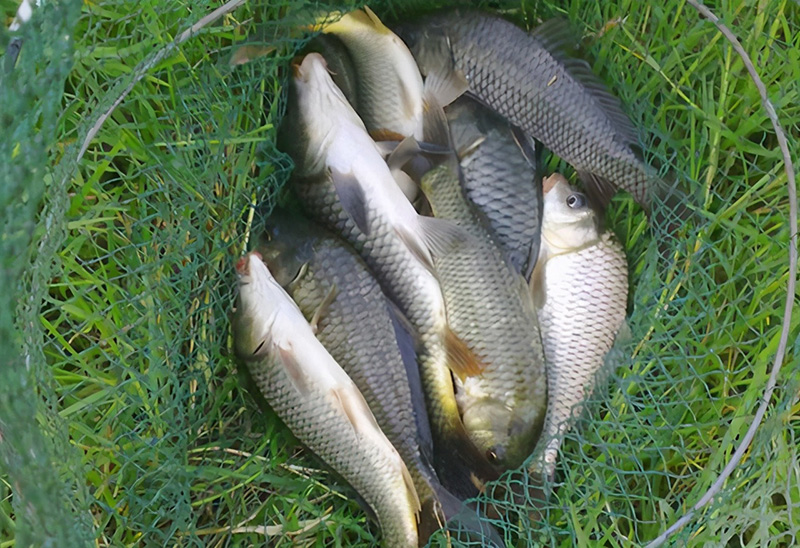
(319, 403)
(491, 309)
(502, 176)
(340, 64)
(531, 81)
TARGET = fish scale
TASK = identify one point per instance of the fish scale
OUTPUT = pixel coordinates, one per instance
(586, 296)
(530, 81)
(370, 357)
(489, 307)
(319, 403)
(502, 181)
(415, 291)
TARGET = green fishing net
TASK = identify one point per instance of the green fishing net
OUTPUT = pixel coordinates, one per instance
(137, 159)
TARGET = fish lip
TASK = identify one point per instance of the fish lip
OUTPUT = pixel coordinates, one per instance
(302, 67)
(243, 264)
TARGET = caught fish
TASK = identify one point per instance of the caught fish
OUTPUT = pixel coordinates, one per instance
(340, 64)
(343, 182)
(318, 401)
(580, 286)
(389, 83)
(501, 175)
(364, 333)
(490, 308)
(535, 85)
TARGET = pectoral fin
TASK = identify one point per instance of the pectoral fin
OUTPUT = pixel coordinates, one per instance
(442, 236)
(460, 358)
(294, 369)
(322, 309)
(352, 198)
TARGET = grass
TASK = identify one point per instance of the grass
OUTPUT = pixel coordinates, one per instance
(172, 450)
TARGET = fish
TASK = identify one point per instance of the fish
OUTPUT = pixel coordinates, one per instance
(340, 64)
(491, 309)
(580, 287)
(366, 334)
(389, 85)
(343, 183)
(319, 403)
(502, 175)
(533, 82)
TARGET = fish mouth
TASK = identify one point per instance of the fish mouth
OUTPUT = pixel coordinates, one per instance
(243, 264)
(303, 68)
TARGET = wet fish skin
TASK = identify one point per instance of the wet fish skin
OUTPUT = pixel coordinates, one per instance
(389, 84)
(529, 80)
(502, 176)
(318, 401)
(383, 228)
(330, 282)
(340, 64)
(580, 286)
(490, 308)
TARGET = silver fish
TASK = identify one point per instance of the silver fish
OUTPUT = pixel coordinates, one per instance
(344, 183)
(318, 401)
(490, 308)
(531, 81)
(580, 286)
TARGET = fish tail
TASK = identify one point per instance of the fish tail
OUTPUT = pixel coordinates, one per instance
(463, 522)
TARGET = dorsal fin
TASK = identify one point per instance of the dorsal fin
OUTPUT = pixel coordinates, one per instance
(558, 38)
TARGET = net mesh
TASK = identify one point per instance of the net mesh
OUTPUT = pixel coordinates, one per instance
(123, 418)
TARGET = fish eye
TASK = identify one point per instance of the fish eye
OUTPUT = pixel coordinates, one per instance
(576, 200)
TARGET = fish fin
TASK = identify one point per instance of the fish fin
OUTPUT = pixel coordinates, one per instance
(441, 236)
(408, 342)
(412, 491)
(382, 134)
(434, 123)
(537, 281)
(294, 369)
(403, 153)
(406, 184)
(599, 190)
(352, 198)
(530, 149)
(355, 408)
(376, 22)
(558, 37)
(322, 309)
(533, 258)
(470, 146)
(352, 404)
(443, 83)
(460, 358)
(419, 251)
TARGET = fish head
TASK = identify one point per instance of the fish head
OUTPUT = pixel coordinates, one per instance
(568, 223)
(287, 246)
(322, 110)
(257, 305)
(487, 421)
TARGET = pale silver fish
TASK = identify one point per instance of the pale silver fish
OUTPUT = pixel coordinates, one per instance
(580, 286)
(389, 85)
(344, 183)
(319, 403)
